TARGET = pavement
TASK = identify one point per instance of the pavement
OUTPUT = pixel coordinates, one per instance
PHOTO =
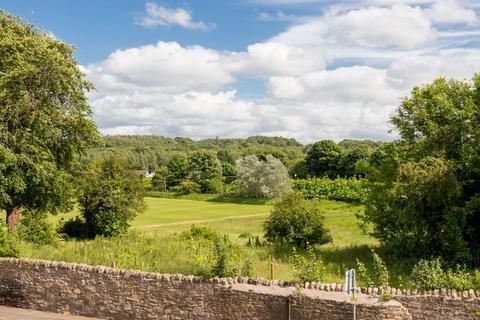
(7, 313)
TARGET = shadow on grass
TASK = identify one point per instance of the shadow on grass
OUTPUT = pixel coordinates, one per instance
(235, 198)
(224, 198)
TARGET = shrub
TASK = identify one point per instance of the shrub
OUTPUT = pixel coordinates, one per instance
(459, 278)
(296, 221)
(223, 259)
(429, 274)
(378, 276)
(73, 228)
(307, 267)
(8, 247)
(35, 228)
(188, 187)
(199, 232)
(339, 189)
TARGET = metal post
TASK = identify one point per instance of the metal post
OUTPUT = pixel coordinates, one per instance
(350, 287)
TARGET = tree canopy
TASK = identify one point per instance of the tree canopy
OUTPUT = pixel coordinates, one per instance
(45, 119)
(426, 199)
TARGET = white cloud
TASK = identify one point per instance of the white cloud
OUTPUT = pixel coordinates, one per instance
(275, 58)
(164, 67)
(164, 17)
(450, 11)
(339, 75)
(399, 26)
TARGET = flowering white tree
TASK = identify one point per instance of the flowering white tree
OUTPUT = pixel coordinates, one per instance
(262, 179)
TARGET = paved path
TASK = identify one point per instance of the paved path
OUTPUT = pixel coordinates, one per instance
(7, 313)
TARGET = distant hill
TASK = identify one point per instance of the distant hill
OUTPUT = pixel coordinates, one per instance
(150, 152)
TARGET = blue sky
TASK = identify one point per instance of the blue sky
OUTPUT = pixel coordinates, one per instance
(98, 28)
(308, 69)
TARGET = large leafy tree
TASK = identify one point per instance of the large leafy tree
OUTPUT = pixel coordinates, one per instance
(177, 170)
(262, 178)
(324, 158)
(45, 119)
(206, 171)
(427, 196)
(111, 197)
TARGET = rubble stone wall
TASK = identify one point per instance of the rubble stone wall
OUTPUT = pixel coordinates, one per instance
(126, 294)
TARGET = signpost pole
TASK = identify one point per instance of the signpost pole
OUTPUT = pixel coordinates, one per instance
(350, 288)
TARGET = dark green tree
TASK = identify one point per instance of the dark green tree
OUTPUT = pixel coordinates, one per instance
(178, 169)
(426, 200)
(45, 119)
(111, 197)
(206, 171)
(324, 158)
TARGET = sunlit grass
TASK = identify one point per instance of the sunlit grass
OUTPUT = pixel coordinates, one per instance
(153, 245)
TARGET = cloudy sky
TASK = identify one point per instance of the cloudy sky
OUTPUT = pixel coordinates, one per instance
(307, 69)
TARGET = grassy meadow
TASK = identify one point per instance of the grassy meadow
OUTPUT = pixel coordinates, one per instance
(153, 244)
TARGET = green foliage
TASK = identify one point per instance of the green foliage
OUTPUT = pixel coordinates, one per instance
(377, 277)
(142, 152)
(177, 170)
(298, 169)
(427, 200)
(307, 266)
(110, 199)
(200, 232)
(350, 190)
(8, 246)
(431, 274)
(223, 258)
(206, 171)
(45, 119)
(324, 158)
(35, 228)
(188, 187)
(159, 180)
(296, 221)
(262, 178)
(417, 214)
(73, 228)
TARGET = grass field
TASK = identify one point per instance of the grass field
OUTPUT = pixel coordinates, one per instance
(159, 250)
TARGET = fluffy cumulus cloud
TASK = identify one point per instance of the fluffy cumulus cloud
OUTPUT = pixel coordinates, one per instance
(159, 16)
(338, 75)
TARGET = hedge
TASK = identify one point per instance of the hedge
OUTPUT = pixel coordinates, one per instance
(350, 190)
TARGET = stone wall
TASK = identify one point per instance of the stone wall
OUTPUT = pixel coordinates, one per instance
(124, 294)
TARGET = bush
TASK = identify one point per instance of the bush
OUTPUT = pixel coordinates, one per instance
(36, 229)
(73, 228)
(231, 260)
(187, 187)
(111, 197)
(377, 277)
(296, 221)
(353, 189)
(223, 259)
(8, 247)
(199, 232)
(307, 267)
(430, 274)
